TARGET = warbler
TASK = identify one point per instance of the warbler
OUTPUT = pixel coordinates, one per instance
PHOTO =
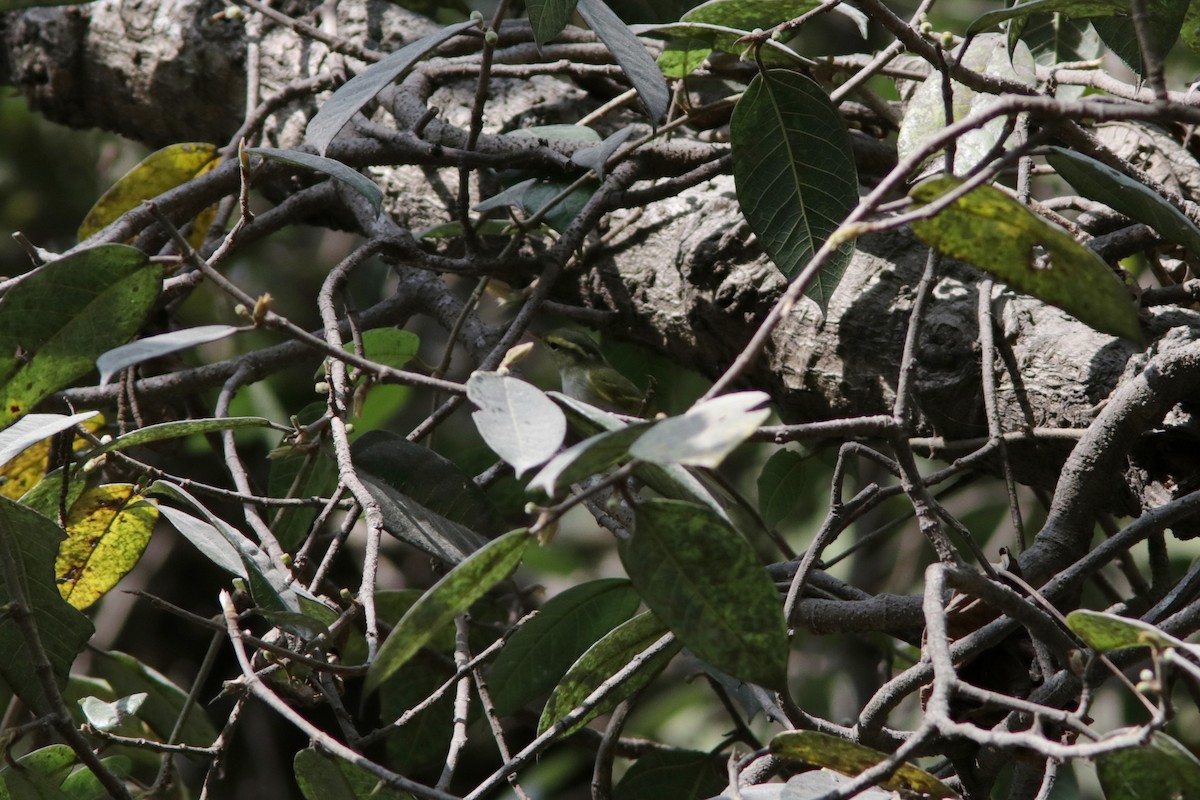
(586, 374)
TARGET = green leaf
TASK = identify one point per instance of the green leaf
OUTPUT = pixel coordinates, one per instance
(1071, 8)
(848, 758)
(448, 598)
(678, 774)
(324, 777)
(543, 649)
(926, 113)
(311, 473)
(793, 167)
(1102, 183)
(334, 169)
(682, 56)
(1190, 31)
(516, 419)
(391, 347)
(362, 88)
(159, 172)
(108, 529)
(108, 717)
(56, 322)
(127, 355)
(1162, 769)
(38, 775)
(421, 743)
(1164, 19)
(630, 55)
(604, 659)
(426, 500)
(1107, 632)
(596, 157)
(83, 785)
(989, 229)
(688, 564)
(164, 700)
(778, 483)
(28, 547)
(1055, 39)
(549, 17)
(589, 457)
(180, 429)
(706, 433)
(34, 428)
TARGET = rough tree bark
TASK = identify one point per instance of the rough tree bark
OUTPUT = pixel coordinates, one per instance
(686, 278)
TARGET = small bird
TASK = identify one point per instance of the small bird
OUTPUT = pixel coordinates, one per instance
(586, 374)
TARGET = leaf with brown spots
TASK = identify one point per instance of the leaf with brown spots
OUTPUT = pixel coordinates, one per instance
(108, 529)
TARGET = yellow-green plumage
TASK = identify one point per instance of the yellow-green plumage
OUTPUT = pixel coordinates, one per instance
(586, 374)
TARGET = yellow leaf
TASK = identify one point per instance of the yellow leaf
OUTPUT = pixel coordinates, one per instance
(159, 172)
(108, 528)
(22, 473)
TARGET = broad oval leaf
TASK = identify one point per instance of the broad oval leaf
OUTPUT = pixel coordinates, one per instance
(926, 112)
(687, 563)
(158, 172)
(163, 344)
(706, 433)
(777, 486)
(1107, 632)
(683, 55)
(164, 701)
(448, 598)
(29, 545)
(1161, 769)
(56, 322)
(334, 169)
(389, 346)
(516, 419)
(794, 171)
(108, 529)
(545, 647)
(630, 55)
(325, 777)
(848, 758)
(989, 229)
(604, 659)
(362, 88)
(549, 17)
(1056, 38)
(426, 500)
(1102, 183)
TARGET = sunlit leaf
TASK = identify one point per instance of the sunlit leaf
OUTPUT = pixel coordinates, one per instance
(989, 229)
(794, 170)
(630, 55)
(604, 659)
(544, 648)
(55, 323)
(706, 433)
(28, 546)
(362, 88)
(1106, 632)
(925, 114)
(38, 775)
(158, 172)
(848, 758)
(108, 529)
(516, 419)
(127, 355)
(22, 464)
(82, 784)
(1162, 769)
(448, 598)
(683, 56)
